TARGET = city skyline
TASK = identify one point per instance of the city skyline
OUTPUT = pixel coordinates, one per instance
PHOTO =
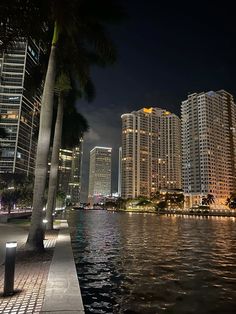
(225, 104)
(132, 97)
(173, 52)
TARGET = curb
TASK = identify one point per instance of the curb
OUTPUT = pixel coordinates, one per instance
(63, 293)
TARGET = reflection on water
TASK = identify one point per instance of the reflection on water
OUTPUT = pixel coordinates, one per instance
(147, 264)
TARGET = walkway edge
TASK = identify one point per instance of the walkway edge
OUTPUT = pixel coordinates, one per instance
(63, 293)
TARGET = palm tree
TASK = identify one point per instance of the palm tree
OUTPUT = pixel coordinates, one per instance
(62, 86)
(231, 201)
(23, 19)
(65, 36)
(208, 200)
(82, 25)
(74, 125)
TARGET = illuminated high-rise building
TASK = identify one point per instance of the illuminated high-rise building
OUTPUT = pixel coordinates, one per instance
(64, 171)
(120, 171)
(19, 108)
(209, 146)
(69, 176)
(99, 174)
(76, 172)
(151, 152)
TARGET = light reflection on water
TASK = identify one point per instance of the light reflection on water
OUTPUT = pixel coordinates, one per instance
(147, 264)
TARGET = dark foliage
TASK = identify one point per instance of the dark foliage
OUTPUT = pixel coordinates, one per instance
(74, 125)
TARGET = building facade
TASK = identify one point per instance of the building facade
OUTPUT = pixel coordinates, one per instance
(99, 174)
(19, 108)
(119, 171)
(64, 171)
(151, 152)
(70, 170)
(209, 146)
(76, 172)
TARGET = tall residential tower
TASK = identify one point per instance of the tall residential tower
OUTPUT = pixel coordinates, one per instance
(209, 146)
(151, 152)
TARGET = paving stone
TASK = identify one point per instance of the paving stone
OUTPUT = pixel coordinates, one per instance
(43, 285)
(30, 279)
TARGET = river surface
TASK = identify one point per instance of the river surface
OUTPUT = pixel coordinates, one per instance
(144, 263)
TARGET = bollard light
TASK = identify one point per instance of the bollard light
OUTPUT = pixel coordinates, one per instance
(11, 245)
(10, 261)
(45, 221)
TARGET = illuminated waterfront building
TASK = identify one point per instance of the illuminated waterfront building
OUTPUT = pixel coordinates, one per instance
(151, 152)
(209, 146)
(19, 108)
(99, 174)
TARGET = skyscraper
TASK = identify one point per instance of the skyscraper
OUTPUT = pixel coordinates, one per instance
(151, 152)
(120, 171)
(76, 172)
(69, 176)
(99, 173)
(64, 171)
(209, 146)
(19, 108)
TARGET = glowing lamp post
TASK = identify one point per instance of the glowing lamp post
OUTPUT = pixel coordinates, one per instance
(45, 221)
(10, 260)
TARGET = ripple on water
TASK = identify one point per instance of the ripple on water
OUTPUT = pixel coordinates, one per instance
(151, 264)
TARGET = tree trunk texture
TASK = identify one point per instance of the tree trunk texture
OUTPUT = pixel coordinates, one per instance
(36, 234)
(53, 178)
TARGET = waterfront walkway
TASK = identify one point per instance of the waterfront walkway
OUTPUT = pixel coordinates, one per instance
(16, 213)
(44, 283)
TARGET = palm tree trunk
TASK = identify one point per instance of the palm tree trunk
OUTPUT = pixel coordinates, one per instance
(36, 233)
(52, 189)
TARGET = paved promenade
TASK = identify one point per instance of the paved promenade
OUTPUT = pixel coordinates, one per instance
(42, 281)
(11, 232)
(62, 293)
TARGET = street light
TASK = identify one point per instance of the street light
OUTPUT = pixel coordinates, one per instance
(9, 268)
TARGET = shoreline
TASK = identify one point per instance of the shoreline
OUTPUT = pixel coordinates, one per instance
(179, 213)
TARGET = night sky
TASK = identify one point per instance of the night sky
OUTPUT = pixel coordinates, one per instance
(165, 52)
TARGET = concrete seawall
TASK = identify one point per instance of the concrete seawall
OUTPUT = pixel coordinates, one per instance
(63, 293)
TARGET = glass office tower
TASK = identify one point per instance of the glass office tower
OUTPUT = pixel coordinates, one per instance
(19, 108)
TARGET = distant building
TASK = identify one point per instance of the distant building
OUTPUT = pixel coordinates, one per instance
(120, 171)
(209, 146)
(19, 108)
(151, 152)
(64, 174)
(70, 168)
(99, 174)
(76, 172)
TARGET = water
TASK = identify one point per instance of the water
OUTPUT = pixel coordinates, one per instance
(147, 264)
